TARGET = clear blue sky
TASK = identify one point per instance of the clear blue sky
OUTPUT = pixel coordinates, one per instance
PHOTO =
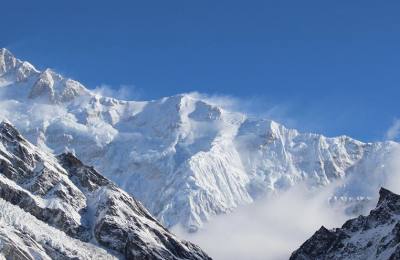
(334, 66)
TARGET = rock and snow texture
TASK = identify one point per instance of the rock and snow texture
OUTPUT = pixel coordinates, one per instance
(376, 236)
(58, 207)
(24, 237)
(183, 157)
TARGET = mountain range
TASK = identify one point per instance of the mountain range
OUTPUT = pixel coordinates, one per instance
(185, 157)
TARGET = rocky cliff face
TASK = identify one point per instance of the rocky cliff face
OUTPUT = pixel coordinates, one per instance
(376, 236)
(74, 198)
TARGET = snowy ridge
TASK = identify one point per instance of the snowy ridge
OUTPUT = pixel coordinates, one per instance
(376, 236)
(74, 198)
(185, 158)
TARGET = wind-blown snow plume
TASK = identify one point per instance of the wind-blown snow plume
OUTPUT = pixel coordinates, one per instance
(122, 92)
(394, 131)
(257, 107)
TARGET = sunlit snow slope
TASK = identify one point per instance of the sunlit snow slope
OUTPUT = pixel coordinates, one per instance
(184, 157)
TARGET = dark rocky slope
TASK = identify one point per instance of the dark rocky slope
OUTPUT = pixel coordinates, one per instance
(376, 236)
(74, 198)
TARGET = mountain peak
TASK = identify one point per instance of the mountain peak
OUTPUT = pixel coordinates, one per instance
(55, 88)
(7, 61)
(6, 128)
(386, 196)
(4, 51)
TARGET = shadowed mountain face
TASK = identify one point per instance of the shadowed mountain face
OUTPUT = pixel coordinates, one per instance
(43, 196)
(184, 157)
(376, 236)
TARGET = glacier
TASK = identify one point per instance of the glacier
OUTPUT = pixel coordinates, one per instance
(184, 157)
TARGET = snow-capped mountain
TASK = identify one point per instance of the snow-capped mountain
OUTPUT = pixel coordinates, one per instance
(59, 208)
(184, 157)
(376, 236)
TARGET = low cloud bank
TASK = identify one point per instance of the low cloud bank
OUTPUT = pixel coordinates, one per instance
(268, 229)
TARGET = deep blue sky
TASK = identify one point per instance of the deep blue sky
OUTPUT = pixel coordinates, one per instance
(332, 66)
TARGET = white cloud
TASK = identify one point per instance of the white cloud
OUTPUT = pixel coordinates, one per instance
(392, 171)
(268, 229)
(394, 131)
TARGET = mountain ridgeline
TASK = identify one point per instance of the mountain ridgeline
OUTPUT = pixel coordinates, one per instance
(56, 207)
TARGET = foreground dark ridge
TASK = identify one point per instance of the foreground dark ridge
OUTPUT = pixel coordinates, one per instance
(376, 236)
(71, 197)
